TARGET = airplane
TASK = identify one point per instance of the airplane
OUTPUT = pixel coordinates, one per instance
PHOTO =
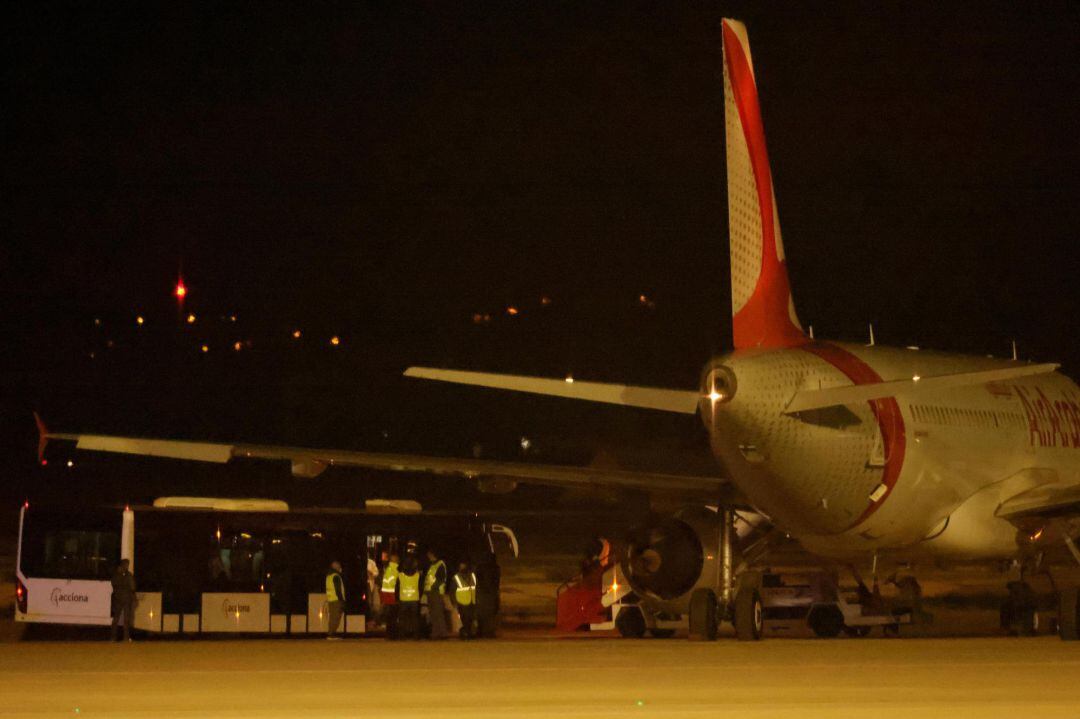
(856, 451)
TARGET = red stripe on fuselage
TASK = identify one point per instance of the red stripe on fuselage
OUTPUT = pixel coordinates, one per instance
(764, 321)
(886, 410)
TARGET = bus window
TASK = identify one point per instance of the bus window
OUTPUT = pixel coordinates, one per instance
(57, 546)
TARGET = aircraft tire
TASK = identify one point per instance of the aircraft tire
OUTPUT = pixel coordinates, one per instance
(1069, 614)
(704, 622)
(630, 623)
(749, 615)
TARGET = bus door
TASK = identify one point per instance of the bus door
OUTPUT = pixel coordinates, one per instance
(64, 565)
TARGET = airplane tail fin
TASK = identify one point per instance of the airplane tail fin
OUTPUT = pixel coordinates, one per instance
(763, 313)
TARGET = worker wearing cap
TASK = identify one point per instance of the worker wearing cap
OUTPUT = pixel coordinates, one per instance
(435, 592)
(408, 598)
(388, 594)
(465, 598)
(335, 599)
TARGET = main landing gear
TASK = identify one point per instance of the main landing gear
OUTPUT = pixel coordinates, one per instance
(742, 607)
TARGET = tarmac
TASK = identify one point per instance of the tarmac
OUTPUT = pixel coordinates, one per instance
(542, 677)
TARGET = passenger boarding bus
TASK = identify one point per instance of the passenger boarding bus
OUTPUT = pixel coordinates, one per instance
(225, 565)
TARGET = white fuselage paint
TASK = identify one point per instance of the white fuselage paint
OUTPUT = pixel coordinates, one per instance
(960, 452)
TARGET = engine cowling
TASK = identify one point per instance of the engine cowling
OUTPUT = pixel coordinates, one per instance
(667, 558)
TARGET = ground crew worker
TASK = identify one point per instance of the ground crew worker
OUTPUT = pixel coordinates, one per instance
(335, 599)
(123, 599)
(465, 598)
(435, 591)
(408, 596)
(388, 594)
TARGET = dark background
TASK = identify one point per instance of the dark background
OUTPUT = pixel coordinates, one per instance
(385, 171)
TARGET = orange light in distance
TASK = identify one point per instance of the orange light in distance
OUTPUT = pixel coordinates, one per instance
(191, 319)
(335, 340)
(512, 311)
(205, 348)
(296, 334)
(139, 320)
(238, 346)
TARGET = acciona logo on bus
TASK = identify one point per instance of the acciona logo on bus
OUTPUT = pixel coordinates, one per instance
(58, 596)
(228, 607)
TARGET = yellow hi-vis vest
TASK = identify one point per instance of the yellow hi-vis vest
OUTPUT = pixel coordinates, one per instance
(465, 589)
(429, 579)
(409, 587)
(331, 592)
(389, 577)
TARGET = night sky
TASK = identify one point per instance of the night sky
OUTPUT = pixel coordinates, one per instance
(385, 172)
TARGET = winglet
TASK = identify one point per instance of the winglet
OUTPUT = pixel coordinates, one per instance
(43, 438)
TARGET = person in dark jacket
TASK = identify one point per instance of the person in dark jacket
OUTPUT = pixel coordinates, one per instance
(123, 599)
(487, 595)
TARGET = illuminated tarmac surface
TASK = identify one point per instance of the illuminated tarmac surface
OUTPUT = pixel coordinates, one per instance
(543, 677)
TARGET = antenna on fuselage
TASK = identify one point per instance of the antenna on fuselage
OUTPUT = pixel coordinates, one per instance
(1014, 351)
(871, 335)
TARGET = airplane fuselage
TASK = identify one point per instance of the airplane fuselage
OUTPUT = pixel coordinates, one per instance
(925, 471)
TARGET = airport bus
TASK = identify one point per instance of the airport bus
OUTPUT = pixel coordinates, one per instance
(207, 565)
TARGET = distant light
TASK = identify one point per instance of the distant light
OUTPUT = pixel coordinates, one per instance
(526, 443)
(70, 463)
(642, 299)
(238, 346)
(916, 378)
(205, 348)
(139, 320)
(335, 340)
(512, 311)
(296, 334)
(232, 318)
(44, 463)
(191, 319)
(569, 379)
(97, 322)
(26, 504)
(181, 291)
(545, 300)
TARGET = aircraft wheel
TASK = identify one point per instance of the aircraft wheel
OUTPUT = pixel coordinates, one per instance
(630, 623)
(704, 622)
(1069, 614)
(749, 615)
(825, 620)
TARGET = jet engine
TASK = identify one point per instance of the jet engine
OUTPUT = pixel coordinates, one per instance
(666, 559)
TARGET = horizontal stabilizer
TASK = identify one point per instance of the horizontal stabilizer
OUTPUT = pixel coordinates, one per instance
(666, 400)
(854, 394)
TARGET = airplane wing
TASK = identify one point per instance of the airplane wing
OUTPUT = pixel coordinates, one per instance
(496, 476)
(853, 394)
(1047, 501)
(666, 400)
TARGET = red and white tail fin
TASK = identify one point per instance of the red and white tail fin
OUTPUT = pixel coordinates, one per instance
(763, 313)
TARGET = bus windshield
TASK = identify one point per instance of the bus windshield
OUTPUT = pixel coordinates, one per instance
(61, 545)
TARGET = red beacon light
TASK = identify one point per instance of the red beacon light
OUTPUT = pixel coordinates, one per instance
(181, 290)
